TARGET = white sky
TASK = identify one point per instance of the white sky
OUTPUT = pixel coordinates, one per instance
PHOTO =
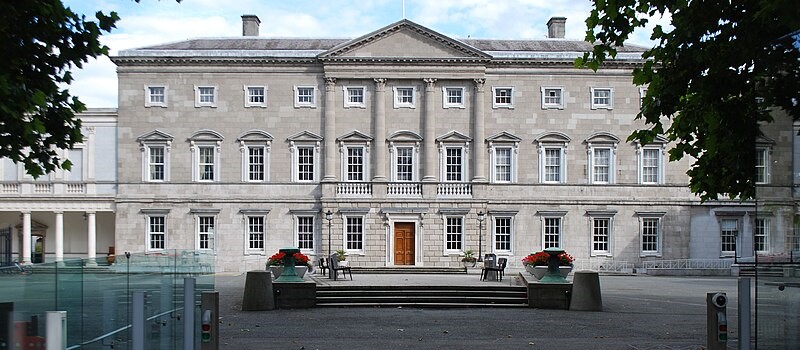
(152, 22)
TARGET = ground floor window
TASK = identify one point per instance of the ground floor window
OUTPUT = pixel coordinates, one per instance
(255, 233)
(156, 232)
(761, 235)
(454, 233)
(305, 232)
(552, 232)
(601, 233)
(729, 231)
(355, 233)
(205, 232)
(502, 234)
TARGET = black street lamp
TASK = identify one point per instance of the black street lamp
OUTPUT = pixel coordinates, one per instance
(481, 217)
(329, 217)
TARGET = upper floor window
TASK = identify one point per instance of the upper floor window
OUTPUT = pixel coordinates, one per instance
(503, 165)
(255, 96)
(304, 148)
(650, 166)
(404, 97)
(503, 97)
(255, 148)
(602, 150)
(155, 147)
(354, 163)
(156, 96)
(552, 97)
(404, 149)
(206, 145)
(205, 96)
(354, 148)
(762, 165)
(503, 157)
(602, 98)
(453, 158)
(305, 96)
(354, 96)
(454, 164)
(552, 157)
(453, 97)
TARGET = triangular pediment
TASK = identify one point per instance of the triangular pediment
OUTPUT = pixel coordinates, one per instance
(155, 136)
(304, 136)
(404, 39)
(355, 136)
(503, 136)
(453, 136)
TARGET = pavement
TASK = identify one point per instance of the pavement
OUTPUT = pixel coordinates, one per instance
(639, 312)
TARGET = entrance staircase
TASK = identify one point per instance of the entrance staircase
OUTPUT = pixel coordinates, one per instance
(422, 296)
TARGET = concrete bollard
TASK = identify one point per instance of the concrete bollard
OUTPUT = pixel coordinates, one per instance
(586, 292)
(258, 291)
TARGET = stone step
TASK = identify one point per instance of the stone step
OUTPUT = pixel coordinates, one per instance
(421, 296)
(408, 270)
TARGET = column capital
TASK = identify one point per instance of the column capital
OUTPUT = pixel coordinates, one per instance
(380, 84)
(430, 83)
(330, 83)
(479, 84)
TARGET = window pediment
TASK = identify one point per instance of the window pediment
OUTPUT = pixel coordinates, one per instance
(454, 136)
(255, 135)
(304, 136)
(404, 136)
(206, 135)
(355, 136)
(602, 137)
(503, 137)
(553, 137)
(155, 136)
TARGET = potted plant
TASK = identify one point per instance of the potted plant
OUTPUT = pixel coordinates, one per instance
(536, 263)
(276, 262)
(341, 257)
(469, 259)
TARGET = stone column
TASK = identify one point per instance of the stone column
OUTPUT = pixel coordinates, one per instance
(379, 154)
(429, 132)
(329, 135)
(26, 237)
(59, 236)
(478, 133)
(91, 233)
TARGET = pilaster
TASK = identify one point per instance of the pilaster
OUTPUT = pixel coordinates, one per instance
(478, 133)
(429, 132)
(329, 135)
(379, 156)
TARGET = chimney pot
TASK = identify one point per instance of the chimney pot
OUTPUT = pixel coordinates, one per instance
(250, 25)
(556, 27)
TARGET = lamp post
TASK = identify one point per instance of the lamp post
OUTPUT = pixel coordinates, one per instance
(481, 217)
(329, 217)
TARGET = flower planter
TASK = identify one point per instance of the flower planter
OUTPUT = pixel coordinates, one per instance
(343, 263)
(277, 270)
(468, 263)
(565, 270)
(537, 271)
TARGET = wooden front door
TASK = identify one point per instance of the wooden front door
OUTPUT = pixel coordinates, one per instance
(404, 243)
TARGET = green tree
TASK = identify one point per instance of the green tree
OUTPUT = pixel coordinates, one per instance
(712, 79)
(42, 40)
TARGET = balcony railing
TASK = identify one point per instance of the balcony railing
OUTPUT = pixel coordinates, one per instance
(11, 188)
(76, 188)
(454, 190)
(404, 189)
(43, 188)
(354, 189)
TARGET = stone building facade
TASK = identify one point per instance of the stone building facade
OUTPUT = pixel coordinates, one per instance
(406, 148)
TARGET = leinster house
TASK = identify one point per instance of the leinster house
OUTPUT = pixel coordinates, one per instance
(404, 147)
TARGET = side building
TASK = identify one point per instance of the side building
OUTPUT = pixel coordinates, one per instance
(406, 148)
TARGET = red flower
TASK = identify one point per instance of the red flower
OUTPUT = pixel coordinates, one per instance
(276, 259)
(541, 259)
(300, 259)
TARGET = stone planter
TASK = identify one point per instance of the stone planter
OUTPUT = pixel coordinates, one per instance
(468, 263)
(343, 263)
(277, 270)
(540, 271)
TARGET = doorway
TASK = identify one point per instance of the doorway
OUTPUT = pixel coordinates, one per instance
(404, 243)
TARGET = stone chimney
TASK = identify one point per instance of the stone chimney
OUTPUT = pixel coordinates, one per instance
(250, 25)
(556, 27)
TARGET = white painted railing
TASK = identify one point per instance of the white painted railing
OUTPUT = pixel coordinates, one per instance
(603, 265)
(11, 188)
(688, 264)
(354, 189)
(454, 190)
(42, 188)
(76, 188)
(403, 189)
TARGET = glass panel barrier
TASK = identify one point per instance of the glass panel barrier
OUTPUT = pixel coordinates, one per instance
(97, 295)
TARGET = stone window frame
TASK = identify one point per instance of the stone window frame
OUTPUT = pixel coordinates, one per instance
(552, 140)
(503, 140)
(494, 215)
(198, 96)
(659, 146)
(405, 139)
(561, 97)
(601, 141)
(460, 215)
(446, 97)
(247, 239)
(355, 140)
(148, 99)
(149, 216)
(545, 215)
(305, 140)
(594, 96)
(206, 139)
(314, 215)
(766, 225)
(155, 138)
(305, 104)
(398, 98)
(347, 91)
(496, 96)
(658, 217)
(255, 138)
(454, 140)
(200, 215)
(608, 215)
(248, 103)
(346, 234)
